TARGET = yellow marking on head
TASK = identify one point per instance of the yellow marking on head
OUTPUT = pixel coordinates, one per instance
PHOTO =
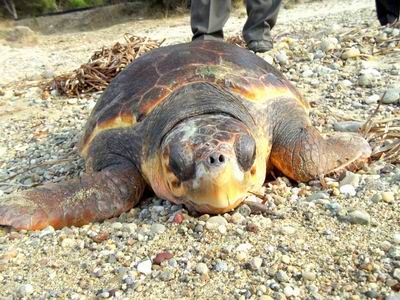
(263, 93)
(120, 121)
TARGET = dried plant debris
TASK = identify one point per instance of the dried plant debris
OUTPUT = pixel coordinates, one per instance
(384, 136)
(236, 40)
(102, 67)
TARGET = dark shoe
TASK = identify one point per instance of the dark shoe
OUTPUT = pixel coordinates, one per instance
(260, 46)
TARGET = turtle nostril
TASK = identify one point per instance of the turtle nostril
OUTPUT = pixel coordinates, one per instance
(216, 159)
(211, 160)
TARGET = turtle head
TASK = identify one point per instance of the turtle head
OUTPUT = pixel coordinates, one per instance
(209, 162)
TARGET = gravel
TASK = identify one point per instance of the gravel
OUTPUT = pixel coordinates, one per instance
(340, 241)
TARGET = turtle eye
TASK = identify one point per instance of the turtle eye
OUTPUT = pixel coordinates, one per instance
(245, 149)
(181, 162)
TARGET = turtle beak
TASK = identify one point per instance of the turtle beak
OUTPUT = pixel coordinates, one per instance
(219, 185)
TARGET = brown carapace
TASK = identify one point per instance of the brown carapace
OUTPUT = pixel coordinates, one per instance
(198, 123)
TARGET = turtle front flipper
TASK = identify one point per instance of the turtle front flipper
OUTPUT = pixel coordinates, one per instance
(91, 198)
(301, 153)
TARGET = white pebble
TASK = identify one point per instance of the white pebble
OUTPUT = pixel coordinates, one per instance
(144, 267)
(201, 268)
(347, 190)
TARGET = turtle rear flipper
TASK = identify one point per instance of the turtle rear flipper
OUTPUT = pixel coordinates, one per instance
(94, 197)
(303, 154)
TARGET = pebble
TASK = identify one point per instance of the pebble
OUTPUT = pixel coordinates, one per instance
(68, 243)
(215, 222)
(244, 210)
(49, 230)
(243, 247)
(373, 99)
(328, 44)
(347, 190)
(391, 96)
(396, 238)
(291, 291)
(157, 228)
(282, 59)
(281, 276)
(387, 197)
(160, 257)
(221, 266)
(396, 273)
(116, 226)
(347, 126)
(25, 290)
(351, 53)
(308, 275)
(359, 217)
(350, 178)
(256, 263)
(287, 230)
(201, 268)
(237, 218)
(144, 267)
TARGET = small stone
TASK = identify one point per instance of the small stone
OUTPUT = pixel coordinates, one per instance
(116, 226)
(396, 238)
(221, 266)
(201, 268)
(101, 237)
(244, 210)
(350, 178)
(347, 190)
(178, 218)
(308, 275)
(256, 263)
(350, 53)
(25, 290)
(388, 197)
(244, 247)
(49, 230)
(391, 96)
(347, 126)
(265, 297)
(237, 218)
(282, 58)
(286, 259)
(160, 257)
(396, 273)
(371, 294)
(373, 99)
(281, 276)
(287, 230)
(359, 217)
(144, 267)
(157, 228)
(328, 44)
(307, 73)
(376, 198)
(68, 243)
(291, 291)
(166, 275)
(251, 227)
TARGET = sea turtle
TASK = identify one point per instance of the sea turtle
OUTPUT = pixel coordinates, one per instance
(199, 123)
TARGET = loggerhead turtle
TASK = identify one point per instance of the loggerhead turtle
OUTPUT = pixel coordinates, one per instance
(198, 123)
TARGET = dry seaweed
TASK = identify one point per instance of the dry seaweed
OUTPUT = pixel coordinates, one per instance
(102, 67)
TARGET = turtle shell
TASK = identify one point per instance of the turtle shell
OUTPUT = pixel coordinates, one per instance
(149, 80)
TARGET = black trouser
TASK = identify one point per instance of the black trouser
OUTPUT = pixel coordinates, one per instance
(208, 17)
(387, 11)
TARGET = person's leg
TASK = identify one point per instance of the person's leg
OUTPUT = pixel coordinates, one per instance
(208, 18)
(261, 17)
